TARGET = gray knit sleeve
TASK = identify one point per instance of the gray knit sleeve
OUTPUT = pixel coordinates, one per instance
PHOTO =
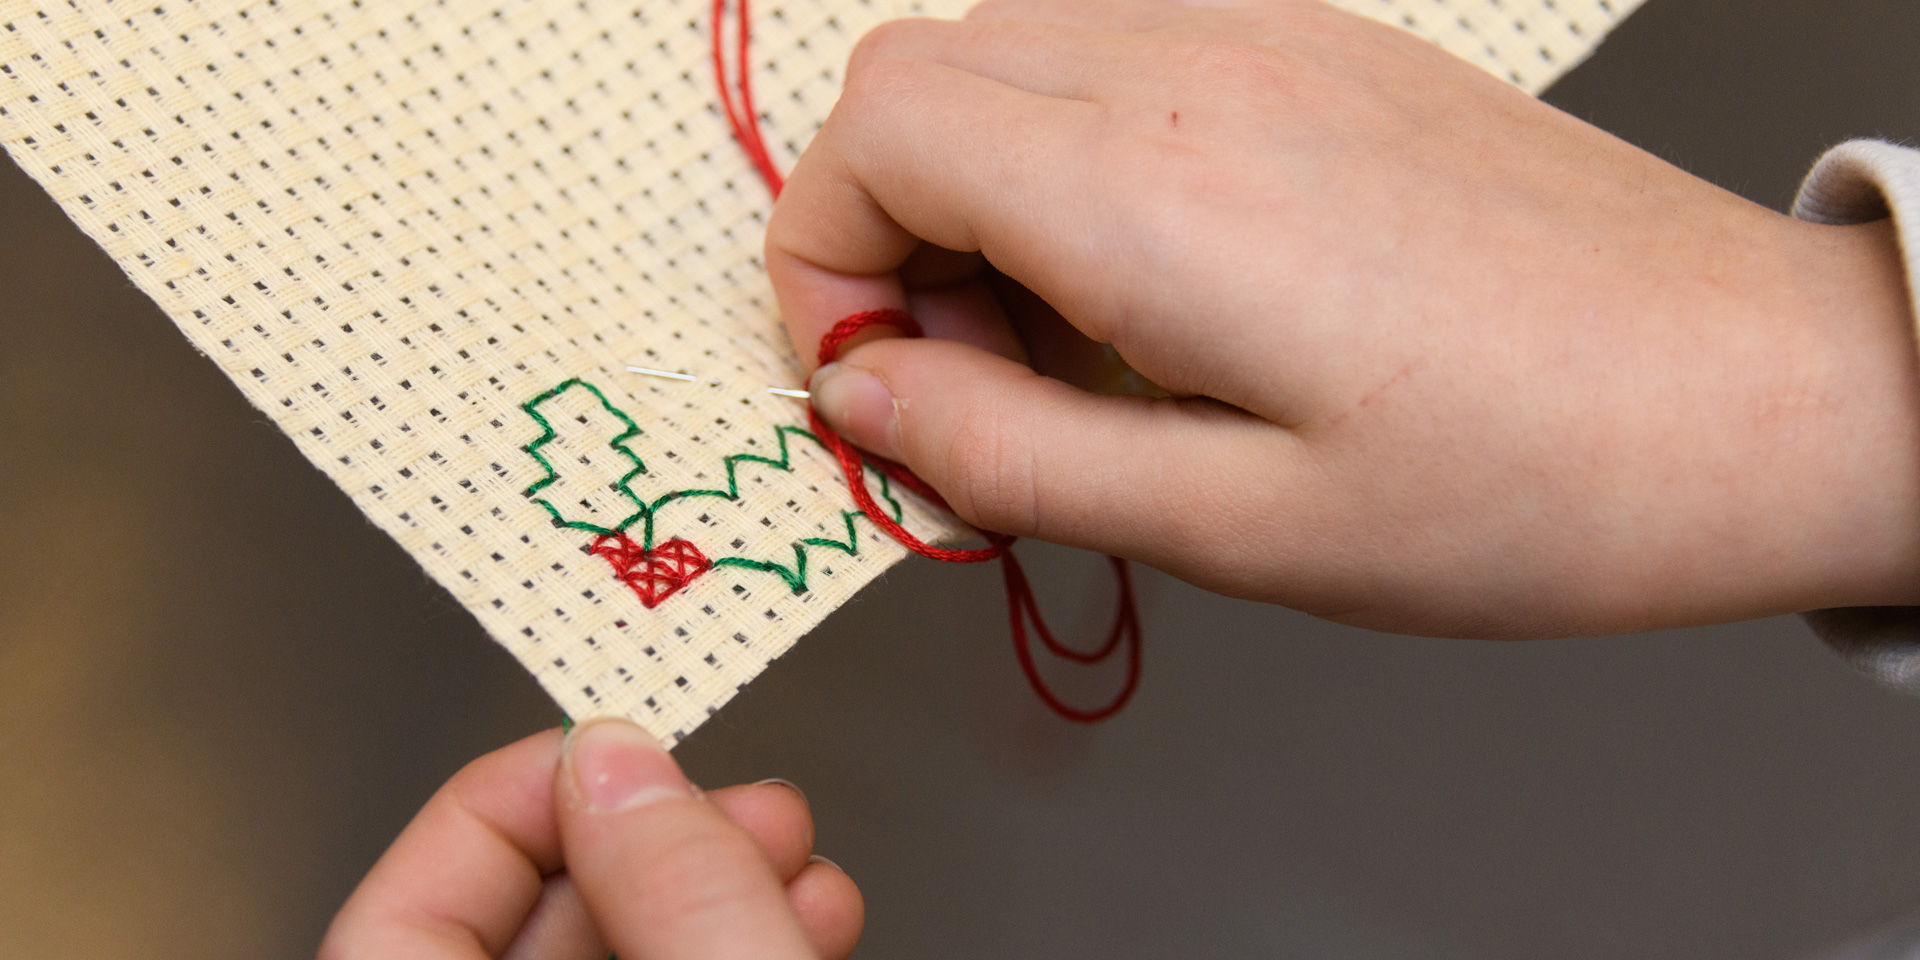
(1856, 182)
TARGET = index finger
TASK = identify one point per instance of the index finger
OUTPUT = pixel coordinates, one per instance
(461, 879)
(922, 151)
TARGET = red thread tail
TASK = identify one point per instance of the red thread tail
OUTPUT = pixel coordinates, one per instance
(739, 105)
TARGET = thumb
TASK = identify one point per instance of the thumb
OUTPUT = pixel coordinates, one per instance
(1016, 452)
(664, 873)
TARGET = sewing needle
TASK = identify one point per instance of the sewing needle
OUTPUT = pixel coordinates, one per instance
(690, 378)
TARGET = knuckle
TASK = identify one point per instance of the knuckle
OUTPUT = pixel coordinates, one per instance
(880, 44)
(876, 85)
(991, 471)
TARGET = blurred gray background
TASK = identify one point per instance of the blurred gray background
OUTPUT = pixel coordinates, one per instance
(279, 686)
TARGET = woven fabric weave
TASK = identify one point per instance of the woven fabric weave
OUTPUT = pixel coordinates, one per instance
(427, 238)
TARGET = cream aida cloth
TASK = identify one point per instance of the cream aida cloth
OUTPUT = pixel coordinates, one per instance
(399, 224)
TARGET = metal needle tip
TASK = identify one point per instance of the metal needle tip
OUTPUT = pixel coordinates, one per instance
(663, 373)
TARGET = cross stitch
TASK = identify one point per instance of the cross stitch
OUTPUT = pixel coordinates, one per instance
(391, 224)
(657, 572)
(654, 574)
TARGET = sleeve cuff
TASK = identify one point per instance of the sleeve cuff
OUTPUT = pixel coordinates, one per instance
(1865, 180)
(1857, 182)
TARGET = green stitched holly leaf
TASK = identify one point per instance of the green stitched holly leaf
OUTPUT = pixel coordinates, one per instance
(590, 468)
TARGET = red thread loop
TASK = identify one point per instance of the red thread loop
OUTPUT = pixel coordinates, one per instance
(1022, 606)
(850, 457)
(736, 99)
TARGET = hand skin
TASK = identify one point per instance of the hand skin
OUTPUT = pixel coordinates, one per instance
(1444, 360)
(530, 853)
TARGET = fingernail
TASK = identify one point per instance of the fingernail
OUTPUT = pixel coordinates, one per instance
(789, 784)
(859, 405)
(816, 858)
(618, 766)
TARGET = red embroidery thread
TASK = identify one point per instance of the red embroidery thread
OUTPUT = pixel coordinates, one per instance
(653, 574)
(1022, 606)
(740, 113)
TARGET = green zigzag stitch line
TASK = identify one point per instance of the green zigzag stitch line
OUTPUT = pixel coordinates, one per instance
(795, 576)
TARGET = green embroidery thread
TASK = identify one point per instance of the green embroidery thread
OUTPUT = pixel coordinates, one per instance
(645, 512)
(619, 445)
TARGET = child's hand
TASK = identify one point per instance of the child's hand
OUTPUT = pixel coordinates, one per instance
(1449, 361)
(524, 855)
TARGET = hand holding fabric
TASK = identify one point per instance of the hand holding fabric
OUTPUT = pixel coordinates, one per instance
(526, 854)
(1443, 359)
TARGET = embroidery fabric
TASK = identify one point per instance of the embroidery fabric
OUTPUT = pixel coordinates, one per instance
(426, 236)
